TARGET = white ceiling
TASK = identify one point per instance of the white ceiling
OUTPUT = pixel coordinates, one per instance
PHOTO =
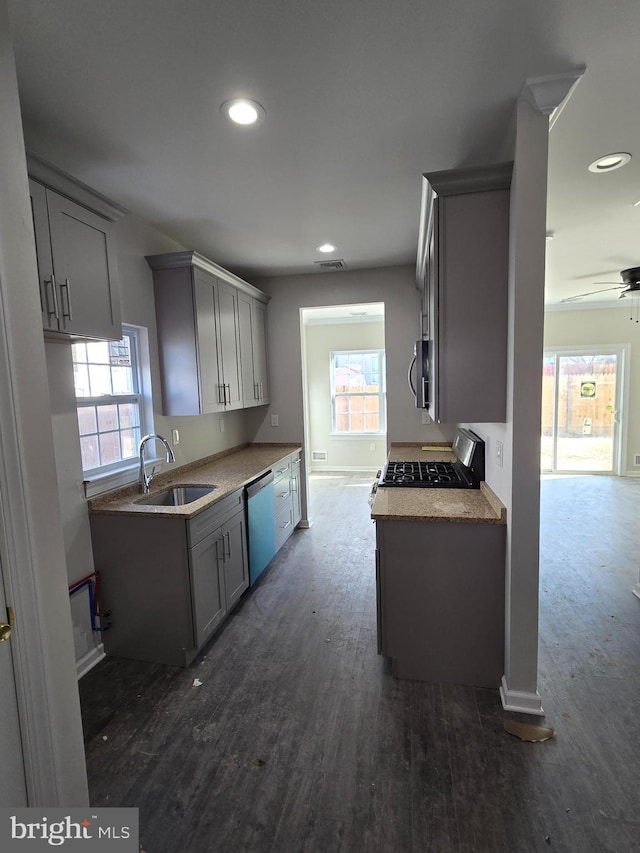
(361, 98)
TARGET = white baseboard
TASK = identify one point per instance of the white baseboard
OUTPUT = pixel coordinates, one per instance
(88, 661)
(636, 590)
(305, 524)
(519, 701)
(357, 469)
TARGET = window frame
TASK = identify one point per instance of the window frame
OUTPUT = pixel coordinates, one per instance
(122, 471)
(381, 394)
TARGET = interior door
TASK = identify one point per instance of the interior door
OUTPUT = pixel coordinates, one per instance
(581, 405)
(13, 791)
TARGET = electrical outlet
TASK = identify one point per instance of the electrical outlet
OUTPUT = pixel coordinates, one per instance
(275, 420)
(221, 422)
(499, 454)
(372, 446)
(175, 436)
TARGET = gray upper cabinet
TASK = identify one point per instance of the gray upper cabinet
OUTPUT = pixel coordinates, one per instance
(253, 350)
(76, 267)
(463, 267)
(201, 339)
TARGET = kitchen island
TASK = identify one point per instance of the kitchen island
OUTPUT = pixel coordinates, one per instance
(440, 579)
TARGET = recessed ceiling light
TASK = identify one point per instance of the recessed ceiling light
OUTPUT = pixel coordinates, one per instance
(326, 248)
(610, 162)
(243, 111)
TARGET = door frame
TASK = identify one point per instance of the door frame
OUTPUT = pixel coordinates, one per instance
(622, 351)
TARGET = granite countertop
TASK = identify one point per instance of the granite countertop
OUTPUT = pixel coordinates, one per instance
(229, 470)
(415, 504)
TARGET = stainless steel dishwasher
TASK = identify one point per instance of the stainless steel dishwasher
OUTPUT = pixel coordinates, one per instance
(261, 524)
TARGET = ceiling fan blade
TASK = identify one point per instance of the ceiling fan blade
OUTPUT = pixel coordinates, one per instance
(593, 292)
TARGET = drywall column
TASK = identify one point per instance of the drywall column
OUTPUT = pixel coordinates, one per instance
(34, 565)
(526, 329)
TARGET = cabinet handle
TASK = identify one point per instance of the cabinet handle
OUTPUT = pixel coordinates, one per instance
(284, 494)
(51, 283)
(286, 524)
(228, 553)
(225, 394)
(294, 484)
(221, 557)
(68, 313)
(222, 394)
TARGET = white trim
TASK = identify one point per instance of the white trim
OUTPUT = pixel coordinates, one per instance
(340, 468)
(88, 661)
(636, 590)
(45, 173)
(549, 94)
(18, 558)
(519, 701)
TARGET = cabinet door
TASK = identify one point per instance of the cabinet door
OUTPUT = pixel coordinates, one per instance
(236, 564)
(260, 366)
(245, 322)
(295, 490)
(84, 263)
(229, 344)
(207, 586)
(208, 348)
(47, 283)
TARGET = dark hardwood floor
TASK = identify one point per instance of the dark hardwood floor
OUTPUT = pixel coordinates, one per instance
(299, 739)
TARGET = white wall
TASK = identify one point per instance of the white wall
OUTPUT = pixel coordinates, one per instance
(587, 327)
(395, 287)
(344, 452)
(518, 482)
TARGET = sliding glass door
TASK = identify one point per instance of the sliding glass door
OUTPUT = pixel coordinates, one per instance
(581, 399)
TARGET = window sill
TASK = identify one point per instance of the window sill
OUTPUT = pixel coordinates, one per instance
(98, 483)
(357, 436)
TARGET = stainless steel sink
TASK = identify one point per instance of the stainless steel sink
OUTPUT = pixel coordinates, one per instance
(176, 496)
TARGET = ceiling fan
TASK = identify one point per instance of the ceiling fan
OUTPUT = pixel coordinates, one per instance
(631, 284)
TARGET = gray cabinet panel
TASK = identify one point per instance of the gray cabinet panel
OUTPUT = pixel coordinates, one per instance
(207, 587)
(76, 267)
(465, 280)
(252, 316)
(170, 582)
(198, 324)
(441, 600)
(236, 563)
(229, 337)
(209, 369)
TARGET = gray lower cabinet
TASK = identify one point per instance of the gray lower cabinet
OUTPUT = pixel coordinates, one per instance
(283, 501)
(440, 600)
(296, 495)
(77, 268)
(169, 582)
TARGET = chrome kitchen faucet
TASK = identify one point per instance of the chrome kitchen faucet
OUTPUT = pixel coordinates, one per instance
(144, 479)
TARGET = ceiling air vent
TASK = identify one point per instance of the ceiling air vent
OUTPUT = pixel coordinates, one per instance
(330, 266)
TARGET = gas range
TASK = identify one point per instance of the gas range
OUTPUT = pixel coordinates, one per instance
(465, 473)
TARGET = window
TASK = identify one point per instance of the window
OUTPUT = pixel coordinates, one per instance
(109, 401)
(357, 392)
